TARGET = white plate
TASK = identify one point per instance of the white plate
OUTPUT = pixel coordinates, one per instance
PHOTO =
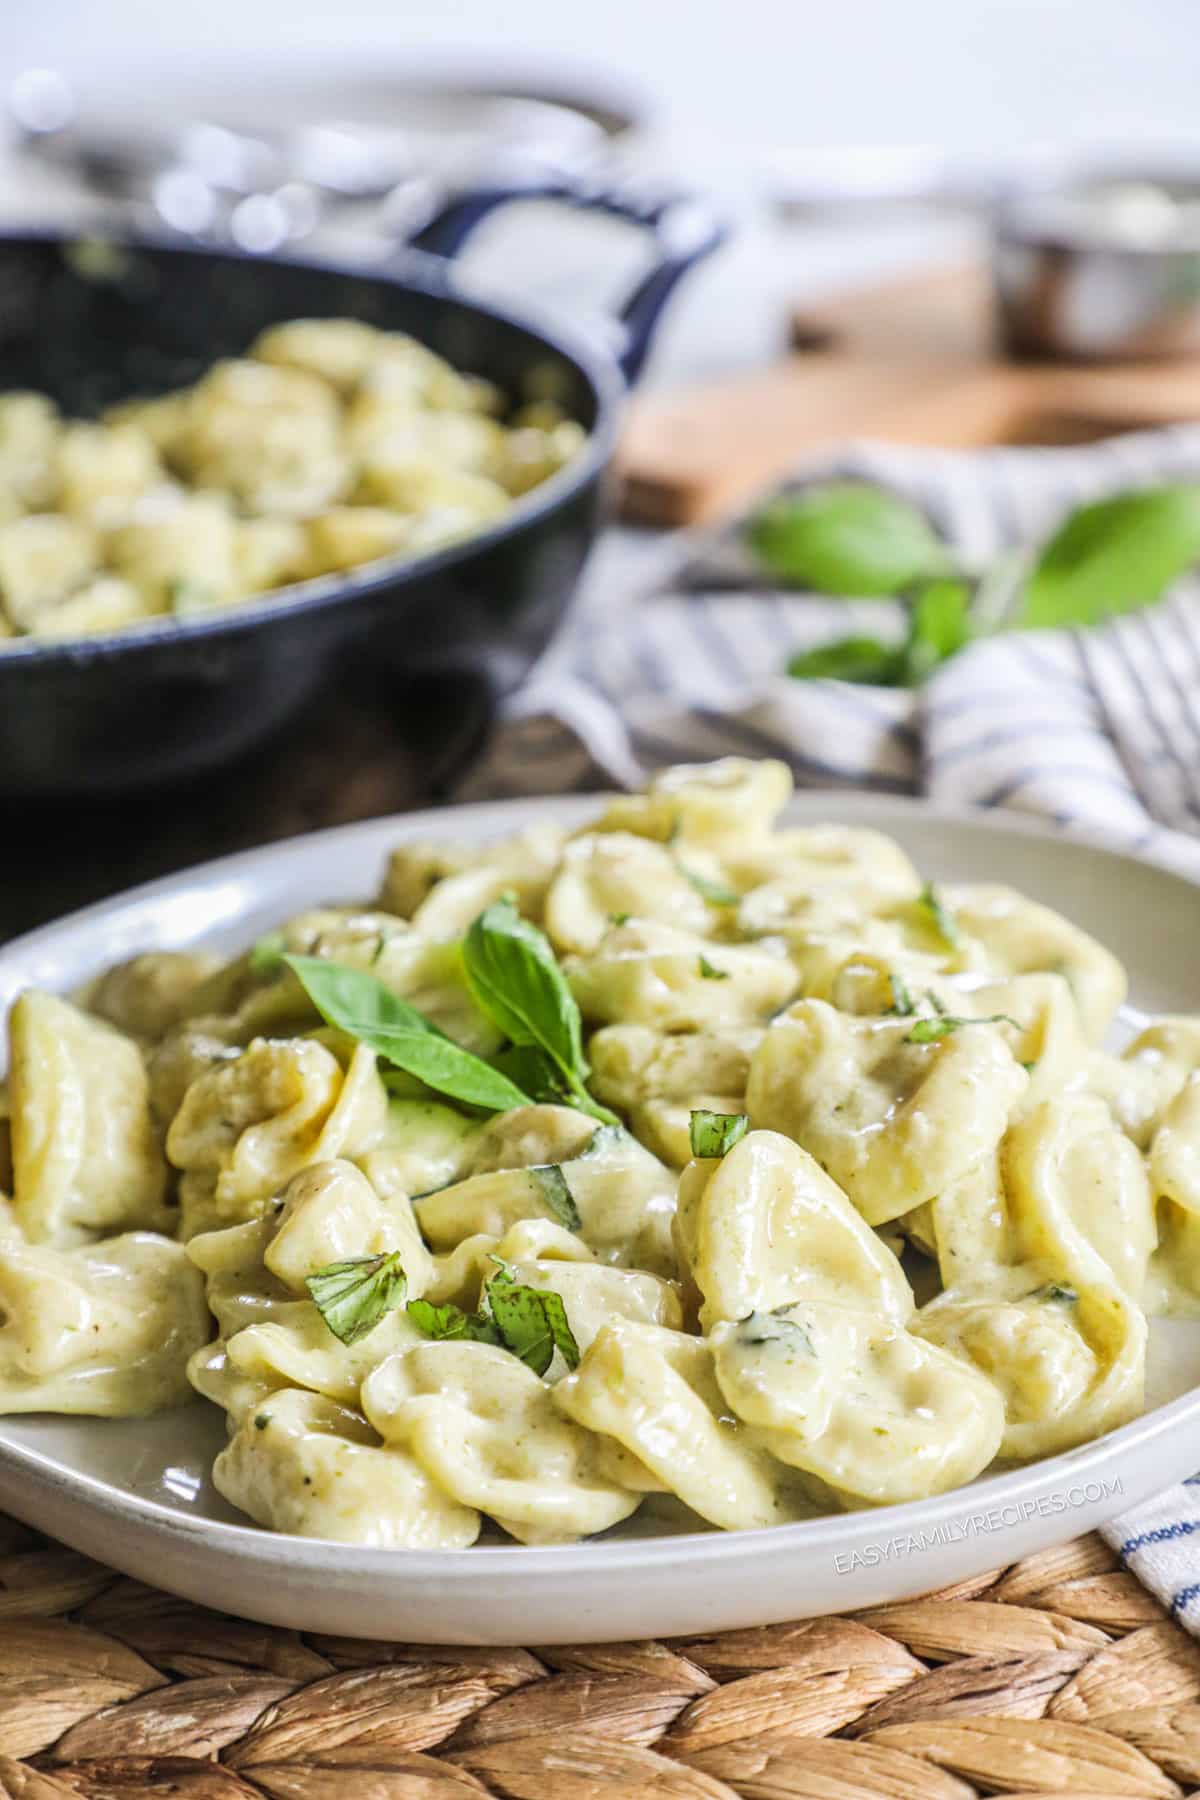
(137, 1494)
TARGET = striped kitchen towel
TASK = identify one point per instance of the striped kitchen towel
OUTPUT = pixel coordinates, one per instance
(1098, 731)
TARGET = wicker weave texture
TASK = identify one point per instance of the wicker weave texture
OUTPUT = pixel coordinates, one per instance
(1058, 1675)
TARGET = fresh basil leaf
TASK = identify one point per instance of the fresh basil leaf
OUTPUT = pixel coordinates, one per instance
(534, 1074)
(552, 1185)
(512, 973)
(532, 1323)
(928, 1031)
(866, 660)
(1113, 556)
(717, 893)
(846, 537)
(267, 954)
(619, 918)
(903, 1003)
(450, 1321)
(353, 1296)
(714, 1133)
(939, 626)
(361, 1004)
(709, 973)
(938, 914)
(555, 1311)
(514, 977)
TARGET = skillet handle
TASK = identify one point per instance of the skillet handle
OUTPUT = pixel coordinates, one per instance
(683, 228)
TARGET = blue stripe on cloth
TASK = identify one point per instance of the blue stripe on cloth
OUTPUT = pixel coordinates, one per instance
(1013, 784)
(1161, 1534)
(1183, 1599)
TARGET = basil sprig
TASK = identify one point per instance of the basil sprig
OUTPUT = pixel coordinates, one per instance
(361, 1005)
(1110, 556)
(1114, 555)
(353, 1296)
(714, 1133)
(848, 538)
(515, 979)
(939, 626)
(530, 1322)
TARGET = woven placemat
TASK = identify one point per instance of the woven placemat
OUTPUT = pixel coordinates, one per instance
(1058, 1675)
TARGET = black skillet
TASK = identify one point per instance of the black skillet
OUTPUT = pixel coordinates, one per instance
(168, 700)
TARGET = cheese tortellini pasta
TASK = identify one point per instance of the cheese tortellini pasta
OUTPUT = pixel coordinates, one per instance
(741, 1176)
(328, 445)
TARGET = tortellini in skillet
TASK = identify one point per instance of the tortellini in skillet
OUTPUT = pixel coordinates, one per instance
(329, 445)
(804, 1185)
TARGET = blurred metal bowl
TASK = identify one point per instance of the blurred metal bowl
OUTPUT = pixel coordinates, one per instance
(1102, 268)
(1095, 252)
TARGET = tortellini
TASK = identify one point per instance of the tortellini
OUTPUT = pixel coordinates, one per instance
(823, 1189)
(486, 1429)
(858, 1402)
(303, 1464)
(655, 1391)
(86, 1161)
(765, 1227)
(621, 1198)
(105, 1329)
(1069, 1362)
(645, 973)
(329, 445)
(244, 1127)
(892, 1120)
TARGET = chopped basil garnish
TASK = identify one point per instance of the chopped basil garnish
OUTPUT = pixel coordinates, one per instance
(709, 973)
(363, 1006)
(939, 915)
(714, 1133)
(353, 1296)
(928, 1031)
(261, 1421)
(903, 1004)
(530, 1322)
(775, 1327)
(717, 893)
(514, 978)
(604, 1139)
(552, 1183)
(619, 918)
(267, 954)
(1056, 1290)
(450, 1321)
